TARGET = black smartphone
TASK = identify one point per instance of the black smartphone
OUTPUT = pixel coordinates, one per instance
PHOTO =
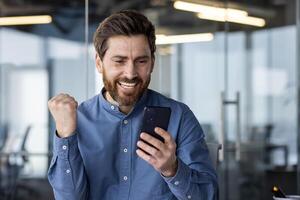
(155, 116)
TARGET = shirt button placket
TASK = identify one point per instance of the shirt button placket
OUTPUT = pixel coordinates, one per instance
(126, 157)
(64, 151)
(125, 122)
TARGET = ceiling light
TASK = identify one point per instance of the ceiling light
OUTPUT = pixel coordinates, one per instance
(220, 14)
(25, 20)
(173, 39)
(247, 20)
(199, 8)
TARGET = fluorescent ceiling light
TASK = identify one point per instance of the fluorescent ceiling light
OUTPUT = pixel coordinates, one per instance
(198, 8)
(25, 20)
(220, 14)
(252, 21)
(173, 39)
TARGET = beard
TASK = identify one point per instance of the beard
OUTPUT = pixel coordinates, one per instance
(125, 98)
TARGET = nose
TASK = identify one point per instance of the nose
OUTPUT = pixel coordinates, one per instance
(130, 70)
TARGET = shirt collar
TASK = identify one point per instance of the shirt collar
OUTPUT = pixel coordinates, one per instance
(114, 109)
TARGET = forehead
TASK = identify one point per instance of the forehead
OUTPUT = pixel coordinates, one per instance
(128, 45)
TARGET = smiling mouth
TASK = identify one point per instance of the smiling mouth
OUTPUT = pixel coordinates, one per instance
(127, 85)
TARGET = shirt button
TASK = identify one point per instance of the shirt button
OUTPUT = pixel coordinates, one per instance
(68, 171)
(125, 121)
(125, 178)
(112, 107)
(189, 196)
(176, 182)
(125, 150)
(64, 147)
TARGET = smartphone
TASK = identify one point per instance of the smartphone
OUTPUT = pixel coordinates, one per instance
(155, 116)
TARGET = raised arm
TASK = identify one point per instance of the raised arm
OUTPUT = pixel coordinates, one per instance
(66, 172)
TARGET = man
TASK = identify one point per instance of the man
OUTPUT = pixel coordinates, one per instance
(99, 152)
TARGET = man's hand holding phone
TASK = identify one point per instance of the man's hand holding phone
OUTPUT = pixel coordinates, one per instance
(162, 156)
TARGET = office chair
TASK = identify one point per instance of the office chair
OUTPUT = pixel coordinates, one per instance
(11, 168)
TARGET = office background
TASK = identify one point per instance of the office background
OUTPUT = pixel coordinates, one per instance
(238, 72)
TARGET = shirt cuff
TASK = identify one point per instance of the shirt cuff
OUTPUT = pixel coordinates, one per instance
(65, 148)
(181, 179)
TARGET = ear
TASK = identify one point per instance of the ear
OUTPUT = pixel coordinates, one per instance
(99, 63)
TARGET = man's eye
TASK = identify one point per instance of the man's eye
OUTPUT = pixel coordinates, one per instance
(142, 61)
(119, 61)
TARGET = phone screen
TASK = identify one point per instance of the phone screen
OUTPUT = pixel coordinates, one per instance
(155, 116)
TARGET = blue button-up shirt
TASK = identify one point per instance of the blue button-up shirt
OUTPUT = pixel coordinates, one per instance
(100, 162)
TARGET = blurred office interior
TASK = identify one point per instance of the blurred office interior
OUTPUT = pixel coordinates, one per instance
(238, 72)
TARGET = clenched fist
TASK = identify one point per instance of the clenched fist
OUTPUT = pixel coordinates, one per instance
(63, 109)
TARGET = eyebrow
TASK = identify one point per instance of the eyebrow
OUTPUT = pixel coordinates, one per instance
(125, 57)
(142, 57)
(119, 57)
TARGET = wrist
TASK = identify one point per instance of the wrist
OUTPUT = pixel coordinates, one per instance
(171, 171)
(63, 132)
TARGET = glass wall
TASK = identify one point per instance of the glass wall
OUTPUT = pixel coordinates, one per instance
(242, 87)
(36, 63)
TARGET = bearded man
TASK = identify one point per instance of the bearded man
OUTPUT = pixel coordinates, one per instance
(99, 151)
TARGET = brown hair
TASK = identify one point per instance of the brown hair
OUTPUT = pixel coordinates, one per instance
(126, 22)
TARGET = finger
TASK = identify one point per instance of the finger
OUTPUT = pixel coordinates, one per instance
(152, 140)
(68, 100)
(62, 95)
(54, 98)
(70, 105)
(59, 97)
(164, 134)
(63, 98)
(145, 156)
(149, 149)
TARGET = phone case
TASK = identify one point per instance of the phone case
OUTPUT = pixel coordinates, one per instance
(155, 116)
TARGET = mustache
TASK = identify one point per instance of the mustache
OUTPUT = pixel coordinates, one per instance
(134, 80)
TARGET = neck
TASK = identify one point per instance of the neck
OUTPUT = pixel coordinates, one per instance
(123, 109)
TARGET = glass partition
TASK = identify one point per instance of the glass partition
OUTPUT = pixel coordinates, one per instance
(36, 62)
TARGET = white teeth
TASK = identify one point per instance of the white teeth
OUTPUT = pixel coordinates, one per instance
(127, 84)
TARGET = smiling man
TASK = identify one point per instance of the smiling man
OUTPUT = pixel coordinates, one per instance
(99, 151)
(126, 69)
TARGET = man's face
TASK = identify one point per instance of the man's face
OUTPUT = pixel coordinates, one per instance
(126, 68)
